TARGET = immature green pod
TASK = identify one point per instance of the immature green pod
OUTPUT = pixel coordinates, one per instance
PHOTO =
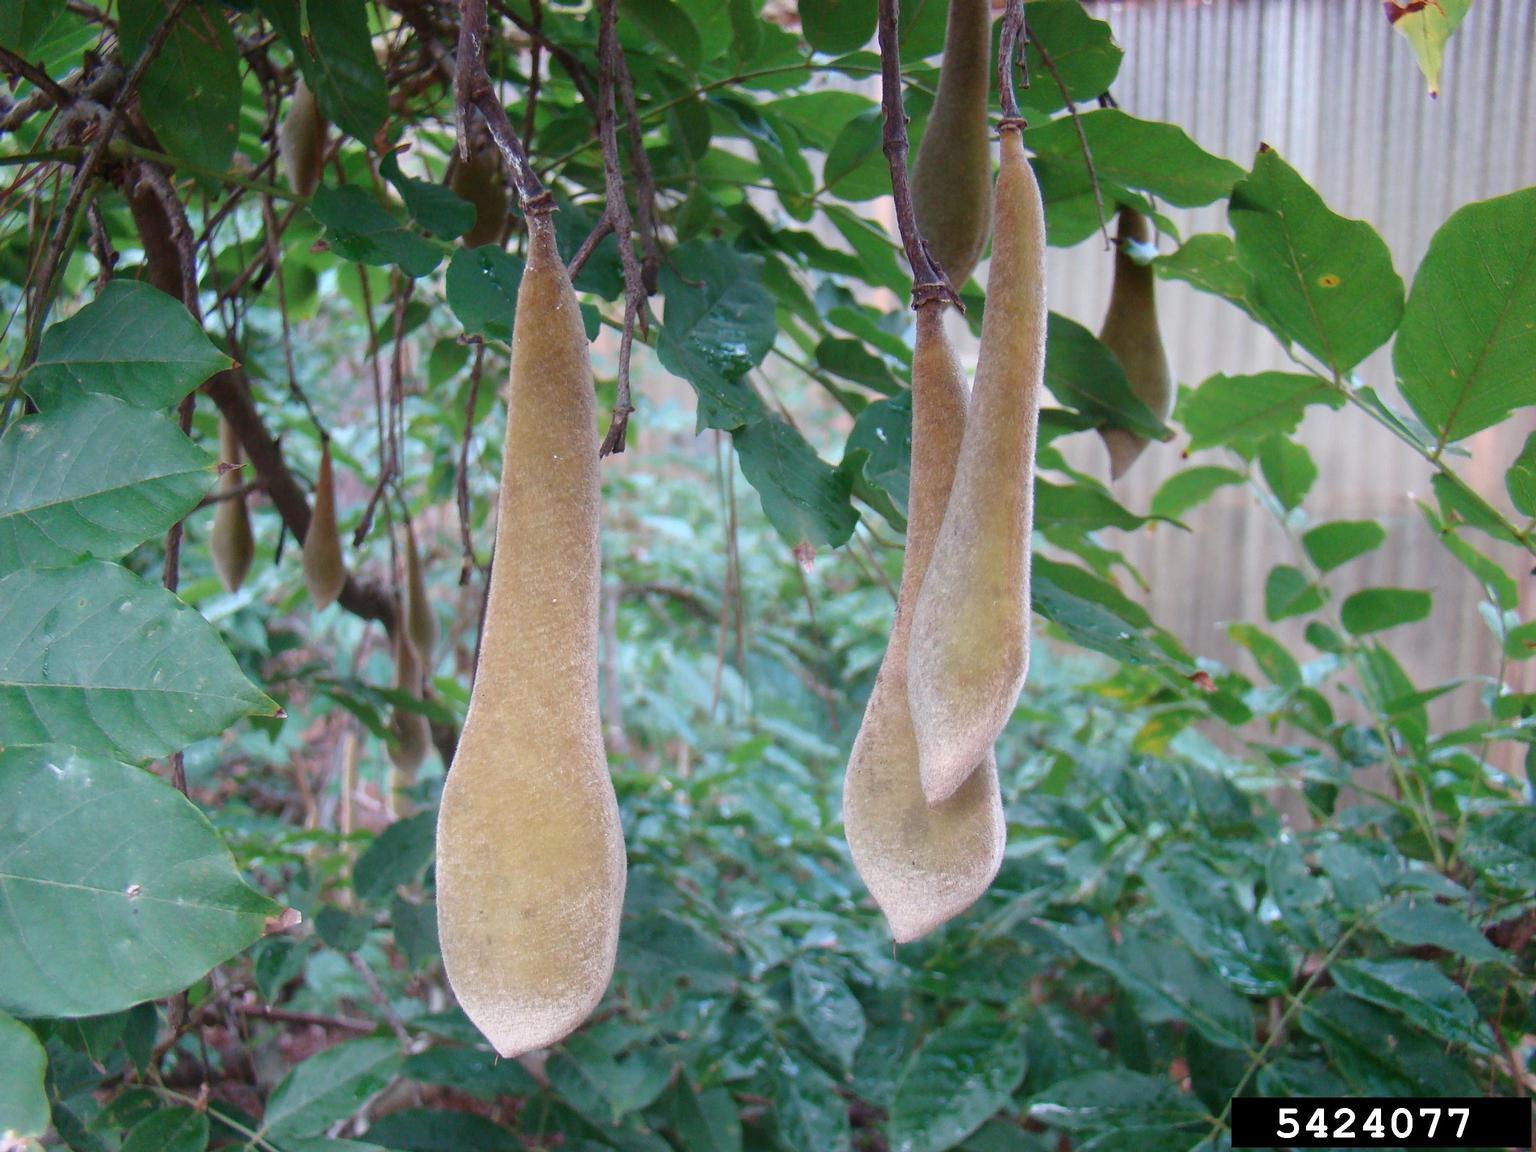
(1131, 333)
(301, 141)
(230, 541)
(530, 850)
(952, 175)
(970, 629)
(478, 180)
(922, 865)
(324, 571)
(420, 623)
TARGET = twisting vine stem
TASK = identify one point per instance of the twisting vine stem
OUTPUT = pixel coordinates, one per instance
(473, 91)
(616, 213)
(930, 284)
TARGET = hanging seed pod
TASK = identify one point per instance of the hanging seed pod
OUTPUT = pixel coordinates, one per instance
(324, 571)
(970, 629)
(301, 141)
(952, 175)
(1130, 331)
(411, 732)
(420, 623)
(922, 865)
(479, 181)
(530, 851)
(230, 541)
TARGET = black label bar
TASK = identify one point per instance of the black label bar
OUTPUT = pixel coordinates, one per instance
(1381, 1122)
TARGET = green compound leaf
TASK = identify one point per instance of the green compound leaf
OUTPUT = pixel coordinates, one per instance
(114, 888)
(331, 1086)
(190, 94)
(23, 1063)
(358, 227)
(806, 498)
(1465, 352)
(133, 342)
(94, 477)
(1244, 410)
(1376, 609)
(1315, 278)
(100, 659)
(961, 1075)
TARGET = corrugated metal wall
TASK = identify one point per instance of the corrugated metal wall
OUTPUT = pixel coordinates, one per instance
(1329, 85)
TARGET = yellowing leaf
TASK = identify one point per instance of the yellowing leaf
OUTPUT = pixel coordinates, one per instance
(1427, 24)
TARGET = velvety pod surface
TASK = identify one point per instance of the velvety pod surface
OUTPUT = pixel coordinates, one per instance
(530, 852)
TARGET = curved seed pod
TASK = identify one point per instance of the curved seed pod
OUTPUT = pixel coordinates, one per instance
(1130, 331)
(952, 175)
(479, 181)
(970, 627)
(411, 731)
(420, 623)
(324, 571)
(922, 865)
(301, 141)
(230, 541)
(530, 851)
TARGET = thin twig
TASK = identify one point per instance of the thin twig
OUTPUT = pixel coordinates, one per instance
(535, 65)
(101, 246)
(461, 484)
(610, 56)
(16, 66)
(929, 281)
(645, 185)
(1082, 137)
(595, 237)
(85, 174)
(396, 1025)
(1010, 51)
(473, 91)
(563, 56)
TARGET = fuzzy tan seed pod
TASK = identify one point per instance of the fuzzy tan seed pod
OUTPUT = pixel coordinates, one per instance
(922, 865)
(420, 623)
(970, 629)
(952, 175)
(411, 732)
(324, 570)
(230, 540)
(301, 141)
(1130, 331)
(530, 850)
(478, 180)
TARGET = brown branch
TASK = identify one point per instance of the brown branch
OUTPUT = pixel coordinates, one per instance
(595, 237)
(930, 284)
(610, 57)
(287, 1016)
(473, 91)
(1010, 51)
(17, 66)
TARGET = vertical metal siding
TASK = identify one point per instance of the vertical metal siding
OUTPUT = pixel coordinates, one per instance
(1328, 84)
